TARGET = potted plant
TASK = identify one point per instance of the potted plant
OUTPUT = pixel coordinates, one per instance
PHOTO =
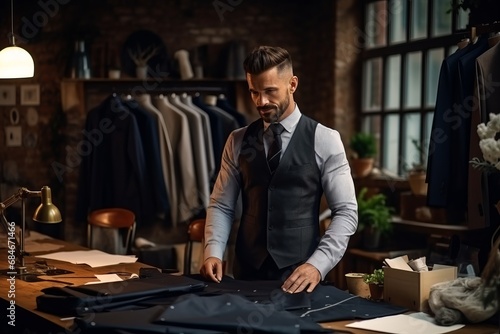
(417, 174)
(374, 218)
(375, 283)
(364, 146)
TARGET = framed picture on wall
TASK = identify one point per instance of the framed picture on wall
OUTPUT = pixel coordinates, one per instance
(7, 95)
(30, 95)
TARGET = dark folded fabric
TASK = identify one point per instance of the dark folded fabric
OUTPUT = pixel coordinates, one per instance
(71, 301)
(232, 306)
(329, 303)
(132, 321)
(234, 314)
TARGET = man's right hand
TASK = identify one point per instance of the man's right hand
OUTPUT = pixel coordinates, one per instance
(212, 269)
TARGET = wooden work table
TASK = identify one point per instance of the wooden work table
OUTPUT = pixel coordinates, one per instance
(26, 315)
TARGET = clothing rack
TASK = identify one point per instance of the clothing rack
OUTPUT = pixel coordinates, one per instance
(130, 87)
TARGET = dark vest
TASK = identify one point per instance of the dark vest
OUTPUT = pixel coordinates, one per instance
(280, 211)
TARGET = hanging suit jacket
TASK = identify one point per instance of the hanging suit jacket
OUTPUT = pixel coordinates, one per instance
(280, 211)
(166, 155)
(487, 98)
(178, 131)
(207, 133)
(224, 105)
(217, 129)
(200, 156)
(440, 147)
(113, 170)
(148, 126)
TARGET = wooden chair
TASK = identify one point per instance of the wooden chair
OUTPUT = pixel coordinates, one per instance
(196, 233)
(120, 219)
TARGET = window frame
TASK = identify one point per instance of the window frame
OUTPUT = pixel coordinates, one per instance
(424, 46)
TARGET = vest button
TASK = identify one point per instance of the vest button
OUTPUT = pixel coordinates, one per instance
(271, 208)
(270, 227)
(271, 188)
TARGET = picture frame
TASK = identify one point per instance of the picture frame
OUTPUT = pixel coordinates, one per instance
(7, 95)
(30, 95)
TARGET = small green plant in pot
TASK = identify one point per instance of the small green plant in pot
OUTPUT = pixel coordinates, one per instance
(375, 282)
(377, 277)
(364, 146)
(374, 218)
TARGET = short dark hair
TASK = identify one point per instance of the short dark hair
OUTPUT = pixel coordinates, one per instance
(263, 58)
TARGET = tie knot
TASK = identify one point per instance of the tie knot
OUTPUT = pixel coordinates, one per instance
(277, 128)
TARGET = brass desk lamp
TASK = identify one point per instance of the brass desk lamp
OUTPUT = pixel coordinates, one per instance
(46, 213)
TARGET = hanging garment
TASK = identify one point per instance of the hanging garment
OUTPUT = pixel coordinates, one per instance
(166, 155)
(207, 132)
(439, 159)
(224, 104)
(487, 98)
(179, 133)
(148, 127)
(200, 156)
(217, 129)
(113, 169)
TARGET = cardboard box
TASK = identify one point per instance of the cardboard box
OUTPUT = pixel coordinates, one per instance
(411, 289)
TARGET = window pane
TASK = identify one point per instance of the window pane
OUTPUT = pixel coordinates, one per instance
(418, 19)
(441, 20)
(397, 19)
(411, 130)
(462, 19)
(413, 80)
(392, 82)
(372, 84)
(434, 60)
(391, 143)
(375, 24)
(371, 124)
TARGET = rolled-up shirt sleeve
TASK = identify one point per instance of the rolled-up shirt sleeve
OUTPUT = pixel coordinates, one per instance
(338, 187)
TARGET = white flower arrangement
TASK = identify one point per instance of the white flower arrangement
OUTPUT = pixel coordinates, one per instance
(489, 145)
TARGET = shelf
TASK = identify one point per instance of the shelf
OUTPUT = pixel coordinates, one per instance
(430, 228)
(75, 93)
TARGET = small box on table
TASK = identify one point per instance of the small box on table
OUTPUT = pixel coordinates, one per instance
(410, 289)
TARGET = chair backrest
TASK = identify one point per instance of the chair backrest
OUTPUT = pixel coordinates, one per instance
(196, 231)
(119, 219)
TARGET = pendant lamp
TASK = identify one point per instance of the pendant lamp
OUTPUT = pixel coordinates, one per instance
(15, 62)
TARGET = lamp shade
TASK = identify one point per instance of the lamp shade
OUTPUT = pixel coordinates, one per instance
(47, 212)
(15, 62)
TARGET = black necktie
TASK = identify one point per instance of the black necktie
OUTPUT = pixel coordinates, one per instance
(273, 155)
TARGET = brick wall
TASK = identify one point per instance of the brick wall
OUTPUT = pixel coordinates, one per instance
(312, 32)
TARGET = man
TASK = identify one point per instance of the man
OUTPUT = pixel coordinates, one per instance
(278, 236)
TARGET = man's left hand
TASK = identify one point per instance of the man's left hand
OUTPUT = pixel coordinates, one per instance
(304, 276)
